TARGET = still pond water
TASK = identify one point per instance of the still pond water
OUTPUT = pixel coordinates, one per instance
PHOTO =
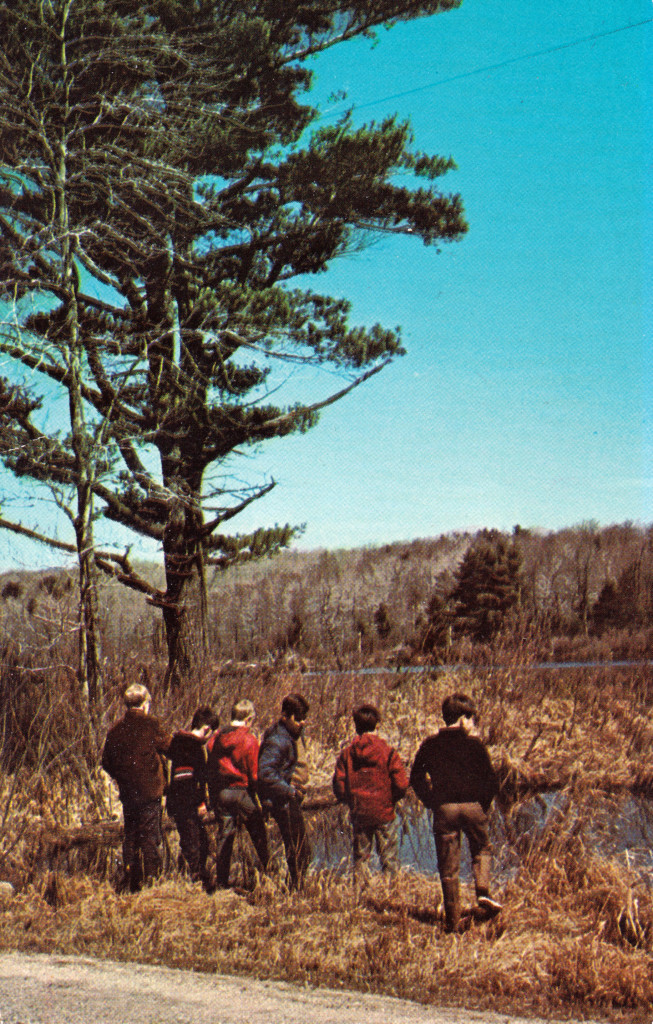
(616, 827)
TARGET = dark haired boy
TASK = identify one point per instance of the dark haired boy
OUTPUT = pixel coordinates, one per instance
(453, 776)
(186, 797)
(279, 784)
(370, 778)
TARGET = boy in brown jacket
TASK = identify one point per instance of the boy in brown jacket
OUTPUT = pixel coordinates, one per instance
(132, 756)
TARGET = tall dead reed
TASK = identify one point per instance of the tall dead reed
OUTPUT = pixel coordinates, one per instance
(574, 937)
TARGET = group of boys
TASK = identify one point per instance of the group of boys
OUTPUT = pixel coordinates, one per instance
(206, 770)
(228, 772)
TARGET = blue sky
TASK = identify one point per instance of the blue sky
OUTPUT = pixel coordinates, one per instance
(526, 395)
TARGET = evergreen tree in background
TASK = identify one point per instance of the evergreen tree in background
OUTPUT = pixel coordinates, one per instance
(487, 585)
(163, 198)
(437, 630)
(609, 610)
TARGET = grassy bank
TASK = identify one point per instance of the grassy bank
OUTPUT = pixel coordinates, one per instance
(576, 934)
(574, 938)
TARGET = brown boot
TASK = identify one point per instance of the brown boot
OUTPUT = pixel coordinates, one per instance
(451, 898)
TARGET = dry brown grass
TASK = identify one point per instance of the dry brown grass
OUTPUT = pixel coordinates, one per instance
(576, 934)
(575, 937)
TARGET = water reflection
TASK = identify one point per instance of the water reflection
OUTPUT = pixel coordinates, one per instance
(616, 827)
(449, 668)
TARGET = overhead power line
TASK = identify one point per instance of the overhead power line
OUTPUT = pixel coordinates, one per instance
(491, 67)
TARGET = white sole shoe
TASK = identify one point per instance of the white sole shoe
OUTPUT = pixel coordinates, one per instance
(490, 906)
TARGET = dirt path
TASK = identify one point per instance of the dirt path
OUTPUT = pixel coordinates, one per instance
(40, 989)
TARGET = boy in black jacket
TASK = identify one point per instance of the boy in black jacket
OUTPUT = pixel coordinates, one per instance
(133, 756)
(453, 776)
(186, 797)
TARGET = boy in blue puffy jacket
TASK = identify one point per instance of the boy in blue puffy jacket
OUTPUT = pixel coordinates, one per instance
(281, 787)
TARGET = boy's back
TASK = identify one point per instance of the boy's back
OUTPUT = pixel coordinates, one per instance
(458, 767)
(186, 791)
(132, 756)
(370, 778)
(233, 758)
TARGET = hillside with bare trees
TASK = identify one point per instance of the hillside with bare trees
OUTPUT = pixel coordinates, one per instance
(580, 593)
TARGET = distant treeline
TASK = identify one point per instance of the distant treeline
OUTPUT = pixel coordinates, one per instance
(585, 591)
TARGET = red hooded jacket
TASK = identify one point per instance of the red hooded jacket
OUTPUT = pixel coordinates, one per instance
(369, 778)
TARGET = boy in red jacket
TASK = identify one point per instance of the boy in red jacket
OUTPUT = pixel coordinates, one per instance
(370, 778)
(232, 776)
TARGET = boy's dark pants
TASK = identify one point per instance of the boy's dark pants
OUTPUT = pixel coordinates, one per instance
(449, 820)
(142, 844)
(235, 805)
(290, 820)
(194, 843)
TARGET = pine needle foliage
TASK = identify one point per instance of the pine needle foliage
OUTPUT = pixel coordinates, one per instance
(164, 192)
(487, 585)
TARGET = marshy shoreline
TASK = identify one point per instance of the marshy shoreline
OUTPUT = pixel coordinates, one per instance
(575, 938)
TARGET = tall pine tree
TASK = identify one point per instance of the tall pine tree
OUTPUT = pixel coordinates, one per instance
(487, 585)
(161, 188)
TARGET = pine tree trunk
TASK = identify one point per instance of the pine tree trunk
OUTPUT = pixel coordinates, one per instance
(185, 611)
